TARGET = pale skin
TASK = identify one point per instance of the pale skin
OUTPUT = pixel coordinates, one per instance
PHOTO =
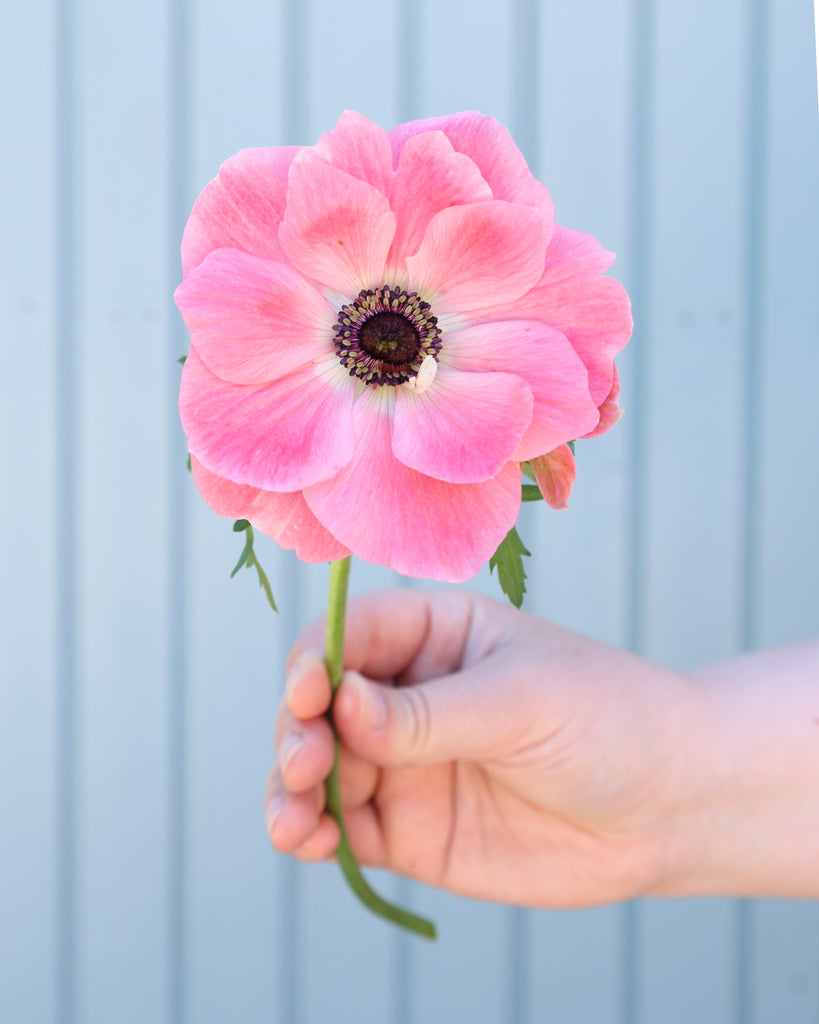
(499, 756)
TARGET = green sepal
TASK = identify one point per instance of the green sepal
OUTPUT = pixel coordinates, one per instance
(181, 360)
(531, 492)
(509, 560)
(571, 445)
(527, 470)
(249, 561)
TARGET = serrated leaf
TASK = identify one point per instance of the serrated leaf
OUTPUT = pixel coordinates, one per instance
(264, 583)
(245, 555)
(509, 561)
(531, 492)
(249, 561)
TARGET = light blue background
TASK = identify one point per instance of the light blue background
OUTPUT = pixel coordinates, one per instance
(138, 683)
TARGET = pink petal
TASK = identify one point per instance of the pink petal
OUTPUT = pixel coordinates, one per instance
(241, 208)
(492, 148)
(253, 320)
(391, 515)
(464, 427)
(542, 357)
(610, 411)
(284, 517)
(574, 254)
(555, 474)
(430, 176)
(595, 315)
(337, 230)
(361, 148)
(478, 255)
(280, 436)
(593, 312)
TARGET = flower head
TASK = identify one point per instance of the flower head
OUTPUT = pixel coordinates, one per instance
(384, 326)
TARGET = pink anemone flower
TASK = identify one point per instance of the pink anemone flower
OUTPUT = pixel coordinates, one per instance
(384, 326)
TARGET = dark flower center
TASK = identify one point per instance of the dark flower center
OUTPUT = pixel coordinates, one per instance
(391, 337)
(384, 336)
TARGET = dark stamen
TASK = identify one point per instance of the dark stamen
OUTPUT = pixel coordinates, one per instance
(384, 336)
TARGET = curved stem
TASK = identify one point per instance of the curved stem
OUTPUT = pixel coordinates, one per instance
(334, 659)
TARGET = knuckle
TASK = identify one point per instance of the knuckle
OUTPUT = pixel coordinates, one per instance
(419, 718)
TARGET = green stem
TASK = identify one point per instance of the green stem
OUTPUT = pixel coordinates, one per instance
(334, 658)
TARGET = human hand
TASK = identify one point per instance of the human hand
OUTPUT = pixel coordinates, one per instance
(488, 752)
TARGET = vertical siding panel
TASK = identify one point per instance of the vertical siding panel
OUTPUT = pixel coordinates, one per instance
(354, 63)
(464, 976)
(234, 679)
(122, 941)
(697, 332)
(782, 937)
(177, 53)
(784, 953)
(466, 58)
(577, 967)
(237, 959)
(686, 958)
(787, 466)
(33, 946)
(694, 447)
(579, 568)
(66, 503)
(347, 951)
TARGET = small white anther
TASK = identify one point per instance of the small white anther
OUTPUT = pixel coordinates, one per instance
(426, 375)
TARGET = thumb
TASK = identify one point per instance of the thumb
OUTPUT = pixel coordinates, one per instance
(453, 717)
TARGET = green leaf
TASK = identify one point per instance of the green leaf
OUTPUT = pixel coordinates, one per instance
(509, 560)
(264, 583)
(181, 360)
(571, 446)
(190, 467)
(249, 560)
(531, 492)
(527, 470)
(245, 555)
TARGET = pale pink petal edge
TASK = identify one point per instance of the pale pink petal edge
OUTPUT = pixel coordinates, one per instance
(284, 517)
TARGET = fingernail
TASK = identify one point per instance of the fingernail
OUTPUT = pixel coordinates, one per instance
(292, 742)
(274, 809)
(295, 673)
(306, 661)
(372, 707)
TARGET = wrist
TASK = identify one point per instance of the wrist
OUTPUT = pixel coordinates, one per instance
(749, 823)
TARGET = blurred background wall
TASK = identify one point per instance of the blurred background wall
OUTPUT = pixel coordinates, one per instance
(138, 683)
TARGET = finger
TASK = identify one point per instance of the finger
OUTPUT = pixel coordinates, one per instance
(486, 711)
(389, 633)
(363, 831)
(291, 817)
(359, 779)
(307, 687)
(321, 845)
(366, 836)
(304, 751)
